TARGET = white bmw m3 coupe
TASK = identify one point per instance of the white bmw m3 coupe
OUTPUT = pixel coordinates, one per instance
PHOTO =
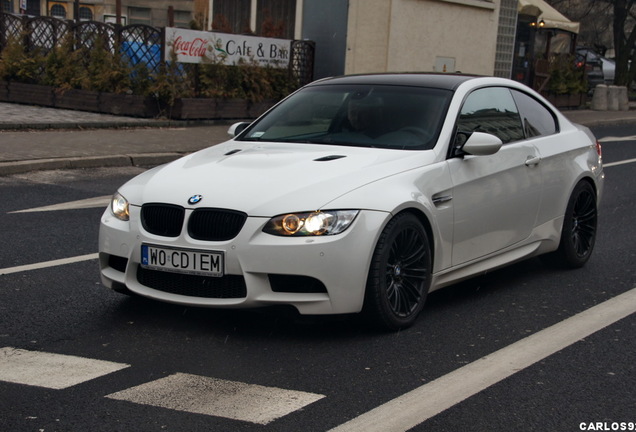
(360, 194)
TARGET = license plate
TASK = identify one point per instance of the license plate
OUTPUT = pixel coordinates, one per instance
(190, 261)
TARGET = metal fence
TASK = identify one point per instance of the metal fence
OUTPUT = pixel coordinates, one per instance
(137, 43)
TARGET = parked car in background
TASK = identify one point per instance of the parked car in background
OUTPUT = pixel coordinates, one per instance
(602, 68)
(360, 194)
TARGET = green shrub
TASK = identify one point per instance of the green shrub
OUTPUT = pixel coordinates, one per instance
(17, 64)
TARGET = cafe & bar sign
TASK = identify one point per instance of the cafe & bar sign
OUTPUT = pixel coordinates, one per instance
(192, 46)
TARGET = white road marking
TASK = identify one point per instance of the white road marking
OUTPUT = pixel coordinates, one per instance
(101, 201)
(54, 371)
(613, 138)
(417, 406)
(220, 398)
(46, 264)
(623, 162)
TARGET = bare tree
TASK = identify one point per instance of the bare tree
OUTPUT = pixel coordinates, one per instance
(624, 41)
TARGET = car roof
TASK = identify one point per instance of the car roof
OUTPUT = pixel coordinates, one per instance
(436, 80)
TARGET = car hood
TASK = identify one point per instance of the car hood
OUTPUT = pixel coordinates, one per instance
(266, 179)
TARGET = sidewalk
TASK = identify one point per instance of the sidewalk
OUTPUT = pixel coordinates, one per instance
(26, 143)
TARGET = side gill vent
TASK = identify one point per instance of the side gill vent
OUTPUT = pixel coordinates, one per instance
(329, 158)
(231, 152)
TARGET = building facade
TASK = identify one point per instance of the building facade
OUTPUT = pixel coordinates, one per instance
(351, 36)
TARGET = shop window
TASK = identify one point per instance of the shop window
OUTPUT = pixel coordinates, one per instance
(58, 10)
(85, 13)
(231, 16)
(276, 18)
(139, 15)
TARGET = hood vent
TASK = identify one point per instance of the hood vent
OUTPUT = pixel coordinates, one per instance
(329, 158)
(231, 152)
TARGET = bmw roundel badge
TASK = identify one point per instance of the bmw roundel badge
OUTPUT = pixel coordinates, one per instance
(195, 199)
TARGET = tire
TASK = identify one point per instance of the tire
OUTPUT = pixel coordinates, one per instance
(579, 229)
(399, 274)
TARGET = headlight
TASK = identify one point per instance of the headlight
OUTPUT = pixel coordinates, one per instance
(311, 223)
(119, 207)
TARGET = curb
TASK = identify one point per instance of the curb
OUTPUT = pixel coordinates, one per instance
(152, 159)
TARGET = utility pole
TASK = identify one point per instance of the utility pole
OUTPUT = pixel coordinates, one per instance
(76, 11)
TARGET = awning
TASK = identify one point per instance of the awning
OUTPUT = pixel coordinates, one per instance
(552, 18)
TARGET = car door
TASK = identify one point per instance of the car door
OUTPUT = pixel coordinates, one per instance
(495, 197)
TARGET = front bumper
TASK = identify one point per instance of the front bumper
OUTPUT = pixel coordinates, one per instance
(316, 275)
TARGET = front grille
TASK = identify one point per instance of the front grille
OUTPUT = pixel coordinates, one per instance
(215, 224)
(165, 220)
(225, 287)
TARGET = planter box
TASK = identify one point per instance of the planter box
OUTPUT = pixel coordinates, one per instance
(32, 94)
(128, 105)
(132, 105)
(81, 100)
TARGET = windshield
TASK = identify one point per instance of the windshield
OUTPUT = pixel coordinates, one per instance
(395, 117)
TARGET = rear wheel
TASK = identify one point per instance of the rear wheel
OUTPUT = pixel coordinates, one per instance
(579, 229)
(400, 274)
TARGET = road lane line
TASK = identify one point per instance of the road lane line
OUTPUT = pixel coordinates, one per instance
(623, 162)
(46, 264)
(53, 371)
(101, 201)
(211, 396)
(617, 139)
(415, 407)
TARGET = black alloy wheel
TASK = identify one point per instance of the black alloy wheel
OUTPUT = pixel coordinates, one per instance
(400, 273)
(579, 228)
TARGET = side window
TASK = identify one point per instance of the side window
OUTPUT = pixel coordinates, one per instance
(491, 110)
(536, 118)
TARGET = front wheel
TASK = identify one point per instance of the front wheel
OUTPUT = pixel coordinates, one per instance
(579, 229)
(400, 274)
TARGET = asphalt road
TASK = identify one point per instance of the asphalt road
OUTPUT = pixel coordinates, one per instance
(133, 364)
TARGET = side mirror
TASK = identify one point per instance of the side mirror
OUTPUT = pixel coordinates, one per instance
(481, 144)
(237, 128)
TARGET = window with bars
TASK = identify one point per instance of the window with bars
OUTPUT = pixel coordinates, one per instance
(182, 19)
(58, 11)
(7, 6)
(85, 13)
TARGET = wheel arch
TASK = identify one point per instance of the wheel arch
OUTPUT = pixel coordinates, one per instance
(424, 220)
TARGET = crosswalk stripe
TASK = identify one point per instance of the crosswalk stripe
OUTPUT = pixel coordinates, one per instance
(54, 371)
(215, 397)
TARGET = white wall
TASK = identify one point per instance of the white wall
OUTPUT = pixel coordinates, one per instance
(415, 35)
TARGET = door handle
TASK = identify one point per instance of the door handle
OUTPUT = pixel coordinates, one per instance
(533, 160)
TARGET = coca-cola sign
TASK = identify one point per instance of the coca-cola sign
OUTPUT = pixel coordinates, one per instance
(191, 46)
